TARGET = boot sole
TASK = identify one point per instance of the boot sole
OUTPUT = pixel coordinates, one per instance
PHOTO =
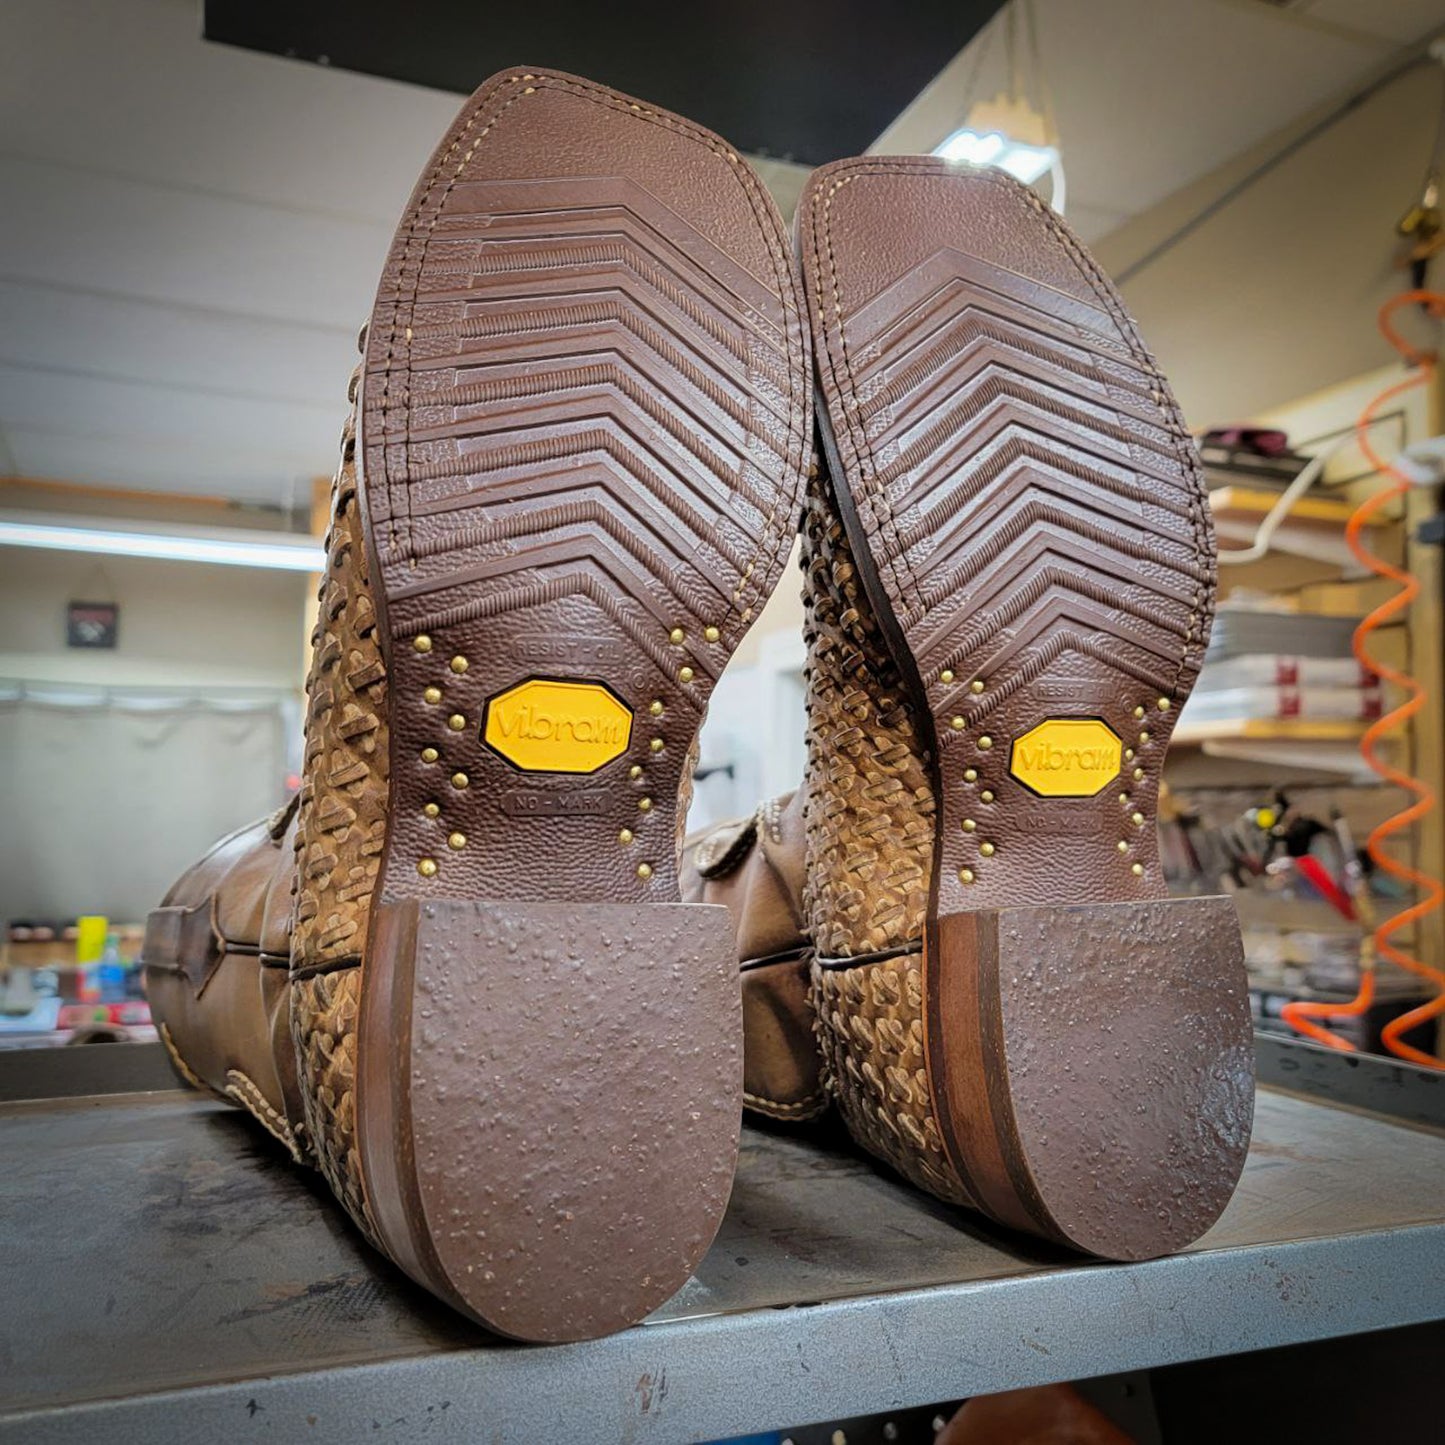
(1030, 525)
(584, 419)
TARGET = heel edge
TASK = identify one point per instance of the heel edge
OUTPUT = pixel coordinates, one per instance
(553, 1132)
(1092, 1066)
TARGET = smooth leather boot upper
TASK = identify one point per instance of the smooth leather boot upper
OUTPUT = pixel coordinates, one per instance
(754, 866)
(217, 954)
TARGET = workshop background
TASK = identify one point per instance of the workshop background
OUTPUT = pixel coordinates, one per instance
(185, 257)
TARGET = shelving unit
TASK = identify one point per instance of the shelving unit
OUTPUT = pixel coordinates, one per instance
(169, 1276)
(1219, 765)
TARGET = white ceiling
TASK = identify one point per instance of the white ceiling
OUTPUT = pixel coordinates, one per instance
(190, 234)
(1151, 94)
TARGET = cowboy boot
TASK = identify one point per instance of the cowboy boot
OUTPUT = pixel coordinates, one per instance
(217, 959)
(218, 952)
(1010, 579)
(583, 426)
(754, 868)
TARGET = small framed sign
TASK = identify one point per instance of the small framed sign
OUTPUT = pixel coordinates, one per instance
(91, 624)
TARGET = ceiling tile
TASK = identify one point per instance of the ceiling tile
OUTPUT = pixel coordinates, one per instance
(1401, 21)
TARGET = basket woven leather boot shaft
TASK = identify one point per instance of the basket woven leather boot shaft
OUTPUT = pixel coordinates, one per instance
(1010, 580)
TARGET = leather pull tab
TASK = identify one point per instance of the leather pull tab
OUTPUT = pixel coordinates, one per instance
(185, 939)
(723, 849)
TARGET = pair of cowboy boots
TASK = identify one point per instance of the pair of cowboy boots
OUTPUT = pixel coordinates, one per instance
(457, 973)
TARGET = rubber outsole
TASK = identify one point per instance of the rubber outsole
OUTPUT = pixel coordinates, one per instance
(584, 423)
(1030, 526)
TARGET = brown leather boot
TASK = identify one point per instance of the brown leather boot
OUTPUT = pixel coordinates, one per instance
(218, 953)
(218, 959)
(754, 867)
(584, 419)
(1010, 581)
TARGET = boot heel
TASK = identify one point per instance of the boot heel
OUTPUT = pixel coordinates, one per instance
(548, 1103)
(1092, 1068)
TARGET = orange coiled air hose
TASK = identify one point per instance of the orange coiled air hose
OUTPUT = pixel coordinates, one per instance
(1299, 1015)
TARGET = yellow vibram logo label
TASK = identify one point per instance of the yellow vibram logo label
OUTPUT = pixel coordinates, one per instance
(557, 727)
(1067, 757)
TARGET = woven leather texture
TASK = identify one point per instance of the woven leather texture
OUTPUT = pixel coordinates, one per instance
(870, 803)
(341, 827)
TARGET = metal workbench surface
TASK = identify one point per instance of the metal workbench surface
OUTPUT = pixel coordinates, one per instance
(167, 1274)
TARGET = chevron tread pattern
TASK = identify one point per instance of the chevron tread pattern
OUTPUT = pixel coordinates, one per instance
(1033, 516)
(585, 419)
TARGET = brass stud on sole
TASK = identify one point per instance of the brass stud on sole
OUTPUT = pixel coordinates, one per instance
(976, 686)
(625, 837)
(985, 742)
(644, 870)
(956, 724)
(969, 825)
(655, 707)
(711, 633)
(456, 722)
(421, 643)
(1137, 819)
(986, 796)
(676, 636)
(965, 875)
(1122, 846)
(1138, 775)
(459, 664)
(946, 676)
(635, 771)
(1137, 870)
(1138, 712)
(460, 780)
(1163, 704)
(427, 867)
(456, 841)
(970, 775)
(432, 810)
(657, 745)
(685, 674)
(986, 850)
(644, 804)
(432, 695)
(429, 755)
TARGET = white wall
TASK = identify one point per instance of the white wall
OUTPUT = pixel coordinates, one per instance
(181, 623)
(1275, 296)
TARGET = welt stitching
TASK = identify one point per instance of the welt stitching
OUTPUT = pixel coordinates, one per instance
(401, 299)
(1094, 278)
(246, 1092)
(878, 502)
(807, 1105)
(1174, 422)
(766, 548)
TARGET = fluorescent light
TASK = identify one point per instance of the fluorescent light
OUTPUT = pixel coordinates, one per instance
(249, 549)
(1027, 163)
(1024, 162)
(969, 146)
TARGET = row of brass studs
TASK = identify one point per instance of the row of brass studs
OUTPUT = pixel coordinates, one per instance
(986, 849)
(1163, 704)
(432, 696)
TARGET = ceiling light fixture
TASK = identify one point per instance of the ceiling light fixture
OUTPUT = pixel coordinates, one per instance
(244, 549)
(1009, 132)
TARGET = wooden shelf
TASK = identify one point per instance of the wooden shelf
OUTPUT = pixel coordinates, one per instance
(1271, 730)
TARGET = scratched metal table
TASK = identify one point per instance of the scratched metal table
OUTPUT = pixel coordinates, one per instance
(164, 1275)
